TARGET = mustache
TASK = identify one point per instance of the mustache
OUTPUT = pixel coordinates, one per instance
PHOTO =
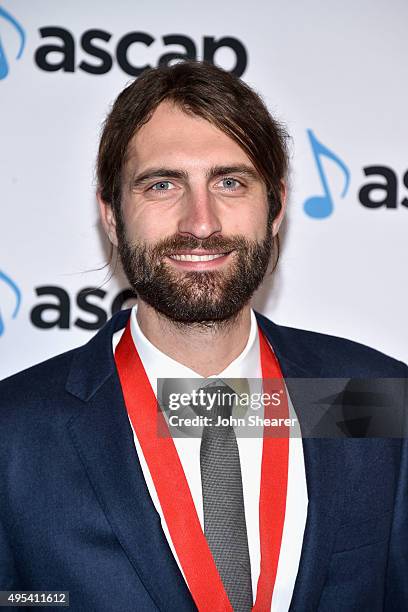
(169, 245)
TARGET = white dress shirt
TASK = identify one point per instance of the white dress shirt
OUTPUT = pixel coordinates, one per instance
(247, 365)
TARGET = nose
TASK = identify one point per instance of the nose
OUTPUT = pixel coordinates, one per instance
(199, 216)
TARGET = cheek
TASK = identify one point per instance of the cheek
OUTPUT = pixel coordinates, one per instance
(146, 223)
(251, 221)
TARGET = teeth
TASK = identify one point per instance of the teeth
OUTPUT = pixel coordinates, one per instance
(196, 257)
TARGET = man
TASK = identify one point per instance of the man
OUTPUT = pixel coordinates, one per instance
(95, 501)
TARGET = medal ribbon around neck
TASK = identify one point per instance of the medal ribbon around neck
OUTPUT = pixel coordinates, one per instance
(173, 491)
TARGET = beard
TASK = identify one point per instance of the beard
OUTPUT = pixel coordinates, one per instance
(204, 298)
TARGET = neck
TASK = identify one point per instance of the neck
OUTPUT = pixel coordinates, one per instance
(206, 349)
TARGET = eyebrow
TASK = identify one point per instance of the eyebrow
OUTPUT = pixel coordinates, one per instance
(213, 172)
(242, 169)
(140, 179)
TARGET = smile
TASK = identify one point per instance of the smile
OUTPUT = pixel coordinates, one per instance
(200, 261)
(192, 257)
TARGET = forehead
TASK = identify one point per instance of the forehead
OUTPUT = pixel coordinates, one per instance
(173, 136)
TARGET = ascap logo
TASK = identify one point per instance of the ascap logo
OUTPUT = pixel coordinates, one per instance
(88, 309)
(9, 293)
(6, 19)
(379, 194)
(96, 51)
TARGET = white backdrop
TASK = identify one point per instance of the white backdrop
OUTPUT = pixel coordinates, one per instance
(337, 69)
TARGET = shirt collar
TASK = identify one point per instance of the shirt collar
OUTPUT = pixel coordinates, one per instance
(159, 365)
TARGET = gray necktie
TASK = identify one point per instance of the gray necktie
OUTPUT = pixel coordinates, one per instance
(223, 502)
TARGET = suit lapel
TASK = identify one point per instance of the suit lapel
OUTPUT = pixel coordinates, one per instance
(324, 459)
(102, 436)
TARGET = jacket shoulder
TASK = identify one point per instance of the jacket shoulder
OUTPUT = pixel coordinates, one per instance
(337, 356)
(38, 382)
(47, 380)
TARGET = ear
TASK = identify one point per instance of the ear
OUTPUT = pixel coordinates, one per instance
(107, 218)
(279, 218)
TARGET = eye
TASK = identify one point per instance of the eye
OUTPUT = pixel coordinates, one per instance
(162, 186)
(229, 183)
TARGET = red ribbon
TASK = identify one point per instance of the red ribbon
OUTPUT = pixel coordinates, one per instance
(178, 507)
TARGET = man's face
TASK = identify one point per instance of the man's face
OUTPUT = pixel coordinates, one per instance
(194, 234)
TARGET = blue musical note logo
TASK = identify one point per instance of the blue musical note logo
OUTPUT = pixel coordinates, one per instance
(4, 66)
(321, 206)
(17, 295)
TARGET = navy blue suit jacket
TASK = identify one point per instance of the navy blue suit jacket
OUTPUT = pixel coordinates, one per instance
(76, 515)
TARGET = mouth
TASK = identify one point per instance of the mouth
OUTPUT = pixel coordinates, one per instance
(199, 260)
